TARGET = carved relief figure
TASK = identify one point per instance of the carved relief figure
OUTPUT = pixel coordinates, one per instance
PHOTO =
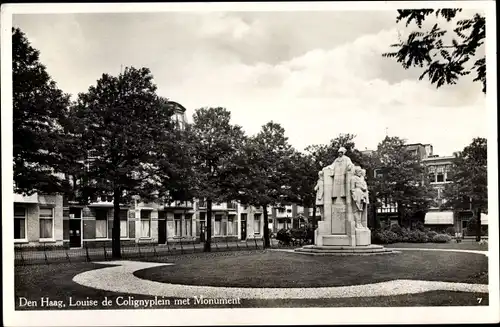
(359, 193)
(319, 188)
(340, 167)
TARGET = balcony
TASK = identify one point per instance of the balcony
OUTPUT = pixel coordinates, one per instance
(232, 205)
(179, 204)
(33, 198)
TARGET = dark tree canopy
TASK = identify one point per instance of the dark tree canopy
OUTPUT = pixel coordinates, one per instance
(403, 180)
(469, 174)
(126, 128)
(443, 62)
(39, 109)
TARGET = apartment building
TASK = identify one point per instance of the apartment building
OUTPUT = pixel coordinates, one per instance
(439, 173)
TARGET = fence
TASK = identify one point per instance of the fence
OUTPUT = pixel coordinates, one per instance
(29, 255)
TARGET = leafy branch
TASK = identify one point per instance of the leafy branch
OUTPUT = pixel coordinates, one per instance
(443, 63)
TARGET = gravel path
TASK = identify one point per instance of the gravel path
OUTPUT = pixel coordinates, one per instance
(120, 278)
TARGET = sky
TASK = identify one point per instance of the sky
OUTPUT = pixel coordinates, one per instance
(318, 74)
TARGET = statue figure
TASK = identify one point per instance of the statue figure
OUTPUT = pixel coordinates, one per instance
(364, 218)
(359, 193)
(340, 167)
(319, 188)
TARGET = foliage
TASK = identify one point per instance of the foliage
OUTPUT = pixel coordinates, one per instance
(469, 173)
(441, 238)
(126, 130)
(217, 149)
(431, 234)
(295, 236)
(470, 180)
(39, 109)
(445, 63)
(403, 181)
(450, 231)
(384, 237)
(269, 162)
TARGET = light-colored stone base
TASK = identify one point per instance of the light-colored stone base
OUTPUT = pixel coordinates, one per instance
(363, 237)
(344, 250)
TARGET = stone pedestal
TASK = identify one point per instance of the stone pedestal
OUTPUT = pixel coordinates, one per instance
(363, 236)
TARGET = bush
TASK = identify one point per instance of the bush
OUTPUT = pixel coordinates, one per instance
(284, 236)
(384, 237)
(417, 236)
(441, 238)
(450, 231)
(431, 234)
(420, 226)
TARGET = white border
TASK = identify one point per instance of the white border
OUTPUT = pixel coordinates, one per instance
(245, 316)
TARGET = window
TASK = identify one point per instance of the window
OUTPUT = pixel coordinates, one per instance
(188, 223)
(218, 223)
(123, 223)
(19, 223)
(178, 226)
(46, 216)
(230, 225)
(464, 223)
(432, 177)
(256, 223)
(440, 177)
(145, 223)
(101, 222)
(281, 210)
(448, 177)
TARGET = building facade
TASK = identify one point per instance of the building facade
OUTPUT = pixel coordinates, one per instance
(439, 174)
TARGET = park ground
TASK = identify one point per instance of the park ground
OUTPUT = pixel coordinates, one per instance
(271, 268)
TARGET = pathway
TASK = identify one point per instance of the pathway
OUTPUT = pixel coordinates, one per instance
(120, 278)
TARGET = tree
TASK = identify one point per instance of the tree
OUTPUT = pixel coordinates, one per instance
(125, 130)
(444, 62)
(216, 145)
(403, 182)
(39, 107)
(268, 158)
(469, 174)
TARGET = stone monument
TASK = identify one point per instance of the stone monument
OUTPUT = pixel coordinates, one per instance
(342, 199)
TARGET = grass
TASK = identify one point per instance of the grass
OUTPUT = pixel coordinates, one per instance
(55, 280)
(465, 245)
(279, 269)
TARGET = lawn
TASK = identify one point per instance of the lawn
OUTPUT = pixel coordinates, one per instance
(465, 245)
(281, 269)
(259, 268)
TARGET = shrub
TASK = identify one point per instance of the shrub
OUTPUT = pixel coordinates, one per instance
(431, 234)
(284, 236)
(420, 226)
(450, 231)
(384, 237)
(441, 238)
(417, 236)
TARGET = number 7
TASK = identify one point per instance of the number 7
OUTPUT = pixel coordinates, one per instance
(479, 299)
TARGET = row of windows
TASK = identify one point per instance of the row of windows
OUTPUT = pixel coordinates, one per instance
(182, 227)
(46, 223)
(222, 228)
(439, 178)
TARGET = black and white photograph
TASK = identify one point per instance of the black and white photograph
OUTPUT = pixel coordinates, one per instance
(249, 163)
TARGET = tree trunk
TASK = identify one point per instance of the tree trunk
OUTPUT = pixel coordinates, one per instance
(314, 222)
(208, 237)
(400, 215)
(478, 226)
(267, 242)
(115, 241)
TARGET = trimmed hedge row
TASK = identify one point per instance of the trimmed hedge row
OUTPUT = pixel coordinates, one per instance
(396, 233)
